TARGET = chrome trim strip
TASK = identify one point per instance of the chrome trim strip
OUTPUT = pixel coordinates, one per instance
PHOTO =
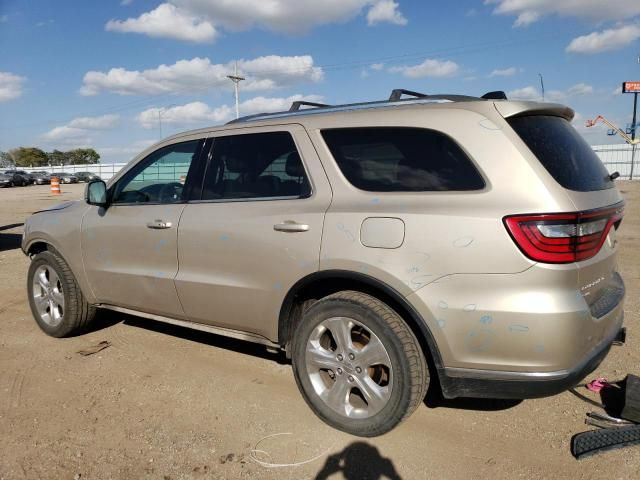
(457, 372)
(225, 332)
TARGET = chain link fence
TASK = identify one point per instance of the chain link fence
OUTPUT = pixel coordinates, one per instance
(621, 158)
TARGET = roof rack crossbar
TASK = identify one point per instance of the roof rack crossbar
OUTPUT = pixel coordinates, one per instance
(295, 106)
(497, 95)
(396, 94)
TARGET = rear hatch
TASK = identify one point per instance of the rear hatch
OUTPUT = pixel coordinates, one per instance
(586, 236)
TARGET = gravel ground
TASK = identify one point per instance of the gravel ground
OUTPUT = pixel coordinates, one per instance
(169, 403)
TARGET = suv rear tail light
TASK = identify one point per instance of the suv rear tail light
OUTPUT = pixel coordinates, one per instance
(563, 237)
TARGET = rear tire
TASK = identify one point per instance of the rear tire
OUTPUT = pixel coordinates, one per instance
(58, 306)
(357, 364)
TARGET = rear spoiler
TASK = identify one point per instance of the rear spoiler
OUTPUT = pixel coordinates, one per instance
(521, 109)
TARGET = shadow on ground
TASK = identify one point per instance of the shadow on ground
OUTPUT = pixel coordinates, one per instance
(359, 461)
(109, 318)
(10, 241)
(434, 398)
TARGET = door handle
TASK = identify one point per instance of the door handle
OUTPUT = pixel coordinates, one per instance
(159, 224)
(291, 227)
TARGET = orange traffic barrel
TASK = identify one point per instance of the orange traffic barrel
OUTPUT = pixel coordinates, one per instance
(55, 186)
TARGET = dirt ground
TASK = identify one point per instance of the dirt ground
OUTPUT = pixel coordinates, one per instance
(169, 403)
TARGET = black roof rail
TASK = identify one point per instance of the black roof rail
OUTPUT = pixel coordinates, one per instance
(395, 97)
(295, 106)
(497, 95)
(396, 94)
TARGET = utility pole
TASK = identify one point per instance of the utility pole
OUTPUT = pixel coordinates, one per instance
(541, 85)
(236, 81)
(633, 133)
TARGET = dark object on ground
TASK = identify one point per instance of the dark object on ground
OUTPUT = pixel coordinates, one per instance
(596, 441)
(622, 399)
(94, 348)
(631, 410)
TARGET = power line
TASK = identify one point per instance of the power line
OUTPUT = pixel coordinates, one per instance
(393, 59)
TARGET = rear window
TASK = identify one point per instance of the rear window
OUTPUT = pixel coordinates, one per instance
(388, 159)
(563, 152)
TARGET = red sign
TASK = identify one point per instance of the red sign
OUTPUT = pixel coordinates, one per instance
(630, 87)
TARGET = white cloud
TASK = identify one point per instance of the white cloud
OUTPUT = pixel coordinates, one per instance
(11, 86)
(532, 93)
(580, 89)
(199, 113)
(525, 93)
(103, 122)
(428, 68)
(529, 11)
(376, 66)
(131, 149)
(504, 72)
(79, 128)
(609, 39)
(285, 16)
(168, 21)
(199, 75)
(385, 11)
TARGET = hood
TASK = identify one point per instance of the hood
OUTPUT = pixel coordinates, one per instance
(59, 206)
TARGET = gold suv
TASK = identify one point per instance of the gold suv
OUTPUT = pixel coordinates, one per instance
(459, 240)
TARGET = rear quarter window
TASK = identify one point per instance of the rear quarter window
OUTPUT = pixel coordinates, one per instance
(563, 152)
(399, 159)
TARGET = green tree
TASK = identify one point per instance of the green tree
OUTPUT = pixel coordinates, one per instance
(81, 156)
(6, 160)
(57, 158)
(29, 157)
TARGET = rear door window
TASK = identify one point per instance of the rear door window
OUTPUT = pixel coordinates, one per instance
(399, 159)
(563, 152)
(255, 166)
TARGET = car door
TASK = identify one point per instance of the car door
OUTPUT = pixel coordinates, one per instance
(256, 229)
(130, 248)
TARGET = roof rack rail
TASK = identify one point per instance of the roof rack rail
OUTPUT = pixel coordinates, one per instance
(394, 98)
(295, 106)
(396, 94)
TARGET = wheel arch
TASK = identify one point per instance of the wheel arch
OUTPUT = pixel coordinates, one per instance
(325, 282)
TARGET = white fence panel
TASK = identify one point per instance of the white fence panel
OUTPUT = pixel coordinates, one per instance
(104, 170)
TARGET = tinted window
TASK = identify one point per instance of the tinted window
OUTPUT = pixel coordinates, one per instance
(160, 177)
(401, 160)
(563, 152)
(258, 165)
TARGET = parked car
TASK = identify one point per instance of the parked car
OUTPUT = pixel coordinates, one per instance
(366, 241)
(86, 176)
(25, 174)
(41, 177)
(6, 180)
(18, 177)
(65, 177)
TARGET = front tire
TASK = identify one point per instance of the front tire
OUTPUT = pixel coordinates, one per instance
(58, 306)
(357, 364)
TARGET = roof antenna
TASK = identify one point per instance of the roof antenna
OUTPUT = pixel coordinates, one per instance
(542, 85)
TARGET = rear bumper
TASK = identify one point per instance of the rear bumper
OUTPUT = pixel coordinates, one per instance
(462, 382)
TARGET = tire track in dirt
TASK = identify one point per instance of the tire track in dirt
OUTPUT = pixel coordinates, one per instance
(10, 304)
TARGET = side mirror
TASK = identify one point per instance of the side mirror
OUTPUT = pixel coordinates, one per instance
(96, 193)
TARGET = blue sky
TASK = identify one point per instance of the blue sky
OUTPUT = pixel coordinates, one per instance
(78, 73)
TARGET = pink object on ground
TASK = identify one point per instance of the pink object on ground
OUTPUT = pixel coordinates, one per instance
(597, 384)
